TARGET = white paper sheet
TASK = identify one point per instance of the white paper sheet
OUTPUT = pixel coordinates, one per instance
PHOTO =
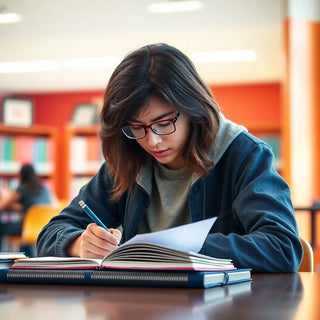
(188, 237)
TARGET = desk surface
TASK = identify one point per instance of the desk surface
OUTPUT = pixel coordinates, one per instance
(268, 296)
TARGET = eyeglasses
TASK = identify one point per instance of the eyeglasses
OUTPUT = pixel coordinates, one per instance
(161, 128)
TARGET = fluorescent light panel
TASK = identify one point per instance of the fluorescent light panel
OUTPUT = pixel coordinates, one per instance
(92, 63)
(52, 65)
(10, 18)
(28, 66)
(224, 56)
(175, 6)
(113, 61)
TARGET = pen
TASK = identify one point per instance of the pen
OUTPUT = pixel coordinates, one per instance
(92, 215)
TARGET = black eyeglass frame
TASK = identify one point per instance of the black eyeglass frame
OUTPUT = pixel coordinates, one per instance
(145, 127)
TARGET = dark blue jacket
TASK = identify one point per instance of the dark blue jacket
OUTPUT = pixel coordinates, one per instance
(256, 226)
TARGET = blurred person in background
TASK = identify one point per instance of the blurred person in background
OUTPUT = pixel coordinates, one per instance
(29, 192)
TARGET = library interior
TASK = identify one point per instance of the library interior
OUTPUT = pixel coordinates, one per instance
(50, 107)
(275, 96)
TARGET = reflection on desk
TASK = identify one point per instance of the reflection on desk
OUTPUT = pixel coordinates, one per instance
(268, 296)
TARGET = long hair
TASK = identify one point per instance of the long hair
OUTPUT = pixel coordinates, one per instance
(29, 179)
(157, 70)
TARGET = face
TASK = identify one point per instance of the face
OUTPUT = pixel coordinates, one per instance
(166, 149)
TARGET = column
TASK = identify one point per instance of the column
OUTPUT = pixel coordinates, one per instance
(302, 101)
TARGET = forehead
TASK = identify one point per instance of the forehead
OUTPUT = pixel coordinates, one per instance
(154, 108)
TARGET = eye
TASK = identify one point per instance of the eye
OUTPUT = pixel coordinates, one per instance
(164, 124)
(135, 128)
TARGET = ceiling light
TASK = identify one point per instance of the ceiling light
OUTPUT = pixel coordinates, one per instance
(10, 18)
(175, 6)
(92, 63)
(28, 66)
(224, 56)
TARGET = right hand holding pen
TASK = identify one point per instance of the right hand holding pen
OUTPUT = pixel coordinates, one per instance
(95, 242)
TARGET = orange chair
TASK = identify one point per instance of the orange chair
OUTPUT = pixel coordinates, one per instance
(35, 219)
(307, 263)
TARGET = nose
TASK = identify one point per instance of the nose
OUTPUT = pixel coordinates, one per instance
(152, 138)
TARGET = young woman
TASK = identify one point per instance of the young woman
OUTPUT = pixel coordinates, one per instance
(171, 158)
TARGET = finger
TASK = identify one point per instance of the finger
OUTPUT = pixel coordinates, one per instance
(96, 242)
(93, 246)
(92, 251)
(117, 234)
(113, 236)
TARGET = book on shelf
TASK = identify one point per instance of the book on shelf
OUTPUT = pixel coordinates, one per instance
(94, 155)
(85, 154)
(164, 258)
(18, 150)
(25, 146)
(43, 155)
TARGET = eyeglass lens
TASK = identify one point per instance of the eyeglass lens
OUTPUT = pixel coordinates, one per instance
(136, 132)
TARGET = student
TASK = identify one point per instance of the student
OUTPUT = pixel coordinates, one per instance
(30, 191)
(171, 158)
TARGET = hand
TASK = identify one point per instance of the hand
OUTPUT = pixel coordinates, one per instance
(95, 242)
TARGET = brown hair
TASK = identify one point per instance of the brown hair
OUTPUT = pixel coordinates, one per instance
(163, 71)
(29, 178)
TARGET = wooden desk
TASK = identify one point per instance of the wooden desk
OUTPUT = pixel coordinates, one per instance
(268, 296)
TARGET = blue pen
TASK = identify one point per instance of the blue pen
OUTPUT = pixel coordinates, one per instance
(91, 214)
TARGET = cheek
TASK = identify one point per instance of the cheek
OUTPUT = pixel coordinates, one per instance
(141, 142)
(182, 140)
(182, 134)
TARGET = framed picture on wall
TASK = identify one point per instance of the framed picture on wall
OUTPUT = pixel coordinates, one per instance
(85, 115)
(17, 112)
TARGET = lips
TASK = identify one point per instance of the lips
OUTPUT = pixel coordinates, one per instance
(160, 154)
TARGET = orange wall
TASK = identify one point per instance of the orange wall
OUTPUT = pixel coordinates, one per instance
(252, 104)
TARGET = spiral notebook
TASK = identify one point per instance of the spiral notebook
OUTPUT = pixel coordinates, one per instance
(140, 278)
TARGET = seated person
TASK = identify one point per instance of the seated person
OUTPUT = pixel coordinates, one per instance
(171, 157)
(30, 191)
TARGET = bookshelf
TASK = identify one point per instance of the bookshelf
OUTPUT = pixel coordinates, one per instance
(35, 145)
(82, 160)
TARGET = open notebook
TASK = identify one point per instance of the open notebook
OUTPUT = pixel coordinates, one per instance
(171, 249)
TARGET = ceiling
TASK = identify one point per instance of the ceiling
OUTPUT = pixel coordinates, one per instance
(64, 29)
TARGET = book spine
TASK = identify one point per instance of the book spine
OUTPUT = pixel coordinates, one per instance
(25, 149)
(78, 155)
(93, 156)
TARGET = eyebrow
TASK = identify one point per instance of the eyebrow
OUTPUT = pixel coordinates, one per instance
(164, 115)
